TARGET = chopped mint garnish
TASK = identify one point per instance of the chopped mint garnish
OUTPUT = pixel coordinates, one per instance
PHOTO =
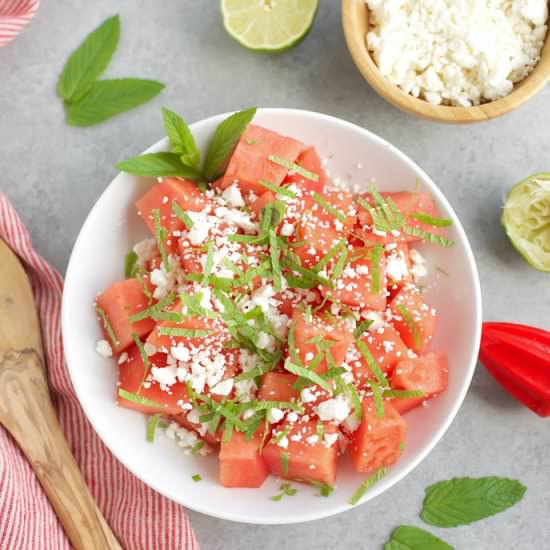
(107, 326)
(321, 201)
(366, 485)
(294, 167)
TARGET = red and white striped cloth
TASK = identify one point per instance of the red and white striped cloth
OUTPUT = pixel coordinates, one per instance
(14, 15)
(140, 517)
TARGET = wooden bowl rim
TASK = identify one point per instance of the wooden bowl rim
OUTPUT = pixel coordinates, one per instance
(355, 25)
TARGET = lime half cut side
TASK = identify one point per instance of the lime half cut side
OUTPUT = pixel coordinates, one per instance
(526, 218)
(271, 26)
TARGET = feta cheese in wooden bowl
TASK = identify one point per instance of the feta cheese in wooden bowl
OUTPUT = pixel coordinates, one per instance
(448, 60)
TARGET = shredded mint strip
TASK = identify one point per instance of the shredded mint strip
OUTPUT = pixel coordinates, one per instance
(321, 201)
(135, 398)
(182, 215)
(411, 323)
(277, 190)
(431, 220)
(306, 373)
(107, 325)
(366, 485)
(427, 236)
(184, 332)
(294, 167)
(160, 237)
(152, 425)
(130, 265)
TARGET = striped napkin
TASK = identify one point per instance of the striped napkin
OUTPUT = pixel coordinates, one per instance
(14, 15)
(140, 518)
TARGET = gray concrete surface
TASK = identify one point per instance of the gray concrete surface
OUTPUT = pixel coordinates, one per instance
(53, 174)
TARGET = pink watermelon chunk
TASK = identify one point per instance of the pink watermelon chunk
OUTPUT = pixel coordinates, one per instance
(163, 194)
(118, 302)
(250, 162)
(308, 159)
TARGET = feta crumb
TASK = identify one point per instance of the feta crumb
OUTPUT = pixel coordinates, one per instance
(275, 415)
(149, 349)
(223, 388)
(104, 348)
(233, 196)
(123, 358)
(329, 439)
(336, 409)
(287, 230)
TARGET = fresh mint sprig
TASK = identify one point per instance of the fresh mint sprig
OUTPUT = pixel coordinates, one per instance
(183, 160)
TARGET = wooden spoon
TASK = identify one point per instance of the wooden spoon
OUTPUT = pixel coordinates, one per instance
(26, 411)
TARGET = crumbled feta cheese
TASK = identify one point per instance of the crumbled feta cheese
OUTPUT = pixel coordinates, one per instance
(458, 53)
(336, 409)
(312, 439)
(180, 352)
(287, 230)
(165, 376)
(145, 250)
(283, 442)
(233, 196)
(149, 349)
(223, 388)
(104, 348)
(330, 439)
(158, 277)
(307, 396)
(274, 415)
(376, 318)
(123, 358)
(418, 268)
(396, 267)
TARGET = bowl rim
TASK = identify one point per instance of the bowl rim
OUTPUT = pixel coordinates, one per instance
(522, 92)
(71, 355)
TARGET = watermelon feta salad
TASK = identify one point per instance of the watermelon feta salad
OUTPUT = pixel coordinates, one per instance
(276, 320)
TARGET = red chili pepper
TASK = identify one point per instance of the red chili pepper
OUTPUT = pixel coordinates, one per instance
(518, 356)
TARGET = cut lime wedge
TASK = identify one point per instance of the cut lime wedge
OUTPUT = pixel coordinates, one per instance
(271, 26)
(526, 218)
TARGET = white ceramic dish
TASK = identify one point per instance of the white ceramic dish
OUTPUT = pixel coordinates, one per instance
(111, 229)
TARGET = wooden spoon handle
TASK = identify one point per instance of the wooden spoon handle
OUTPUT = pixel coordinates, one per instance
(27, 412)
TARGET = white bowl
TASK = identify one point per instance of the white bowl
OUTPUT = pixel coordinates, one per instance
(112, 227)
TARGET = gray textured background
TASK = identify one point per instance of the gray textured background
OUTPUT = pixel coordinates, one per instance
(53, 174)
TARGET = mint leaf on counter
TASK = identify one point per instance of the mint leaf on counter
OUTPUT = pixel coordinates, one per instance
(89, 60)
(108, 98)
(408, 537)
(460, 501)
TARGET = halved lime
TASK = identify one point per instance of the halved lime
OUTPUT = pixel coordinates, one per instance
(271, 26)
(526, 218)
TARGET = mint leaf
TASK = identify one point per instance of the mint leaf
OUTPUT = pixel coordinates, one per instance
(108, 98)
(181, 139)
(460, 501)
(407, 537)
(158, 165)
(223, 142)
(89, 60)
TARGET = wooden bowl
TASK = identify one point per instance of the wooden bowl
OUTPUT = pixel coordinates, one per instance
(355, 19)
